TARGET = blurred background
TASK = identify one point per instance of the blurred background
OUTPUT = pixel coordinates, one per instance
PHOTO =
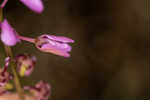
(110, 59)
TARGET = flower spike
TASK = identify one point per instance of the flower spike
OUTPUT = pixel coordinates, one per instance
(5, 77)
(34, 5)
(8, 34)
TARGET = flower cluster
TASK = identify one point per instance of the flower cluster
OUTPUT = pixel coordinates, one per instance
(41, 90)
(5, 78)
(25, 63)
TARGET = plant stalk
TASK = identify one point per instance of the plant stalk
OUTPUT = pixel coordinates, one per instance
(13, 66)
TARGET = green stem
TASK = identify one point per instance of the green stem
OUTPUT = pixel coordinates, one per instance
(13, 66)
(1, 14)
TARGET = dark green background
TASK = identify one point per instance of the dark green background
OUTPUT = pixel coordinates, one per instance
(110, 58)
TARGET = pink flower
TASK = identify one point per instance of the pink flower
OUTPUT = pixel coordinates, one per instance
(34, 5)
(4, 75)
(8, 34)
(54, 44)
(3, 3)
(41, 90)
(25, 64)
(57, 45)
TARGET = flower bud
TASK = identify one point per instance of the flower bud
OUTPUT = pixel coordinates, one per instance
(8, 34)
(41, 90)
(25, 64)
(5, 77)
(34, 5)
(54, 44)
(3, 3)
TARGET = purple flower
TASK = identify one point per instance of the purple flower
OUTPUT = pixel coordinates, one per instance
(25, 64)
(57, 45)
(8, 34)
(3, 3)
(41, 90)
(5, 77)
(54, 44)
(34, 5)
(3, 91)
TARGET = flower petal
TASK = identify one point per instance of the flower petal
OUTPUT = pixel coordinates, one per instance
(3, 3)
(8, 34)
(51, 49)
(41, 90)
(59, 38)
(61, 46)
(34, 5)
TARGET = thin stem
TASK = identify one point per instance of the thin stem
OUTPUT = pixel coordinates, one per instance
(32, 40)
(16, 79)
(1, 14)
(13, 65)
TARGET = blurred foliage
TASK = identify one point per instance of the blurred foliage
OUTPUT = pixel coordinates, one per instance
(110, 58)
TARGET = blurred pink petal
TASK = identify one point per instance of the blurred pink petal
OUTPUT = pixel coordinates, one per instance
(8, 34)
(3, 3)
(58, 38)
(34, 5)
(41, 90)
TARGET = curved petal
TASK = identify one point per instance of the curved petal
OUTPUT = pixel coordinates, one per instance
(3, 3)
(34, 5)
(50, 49)
(58, 38)
(8, 34)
